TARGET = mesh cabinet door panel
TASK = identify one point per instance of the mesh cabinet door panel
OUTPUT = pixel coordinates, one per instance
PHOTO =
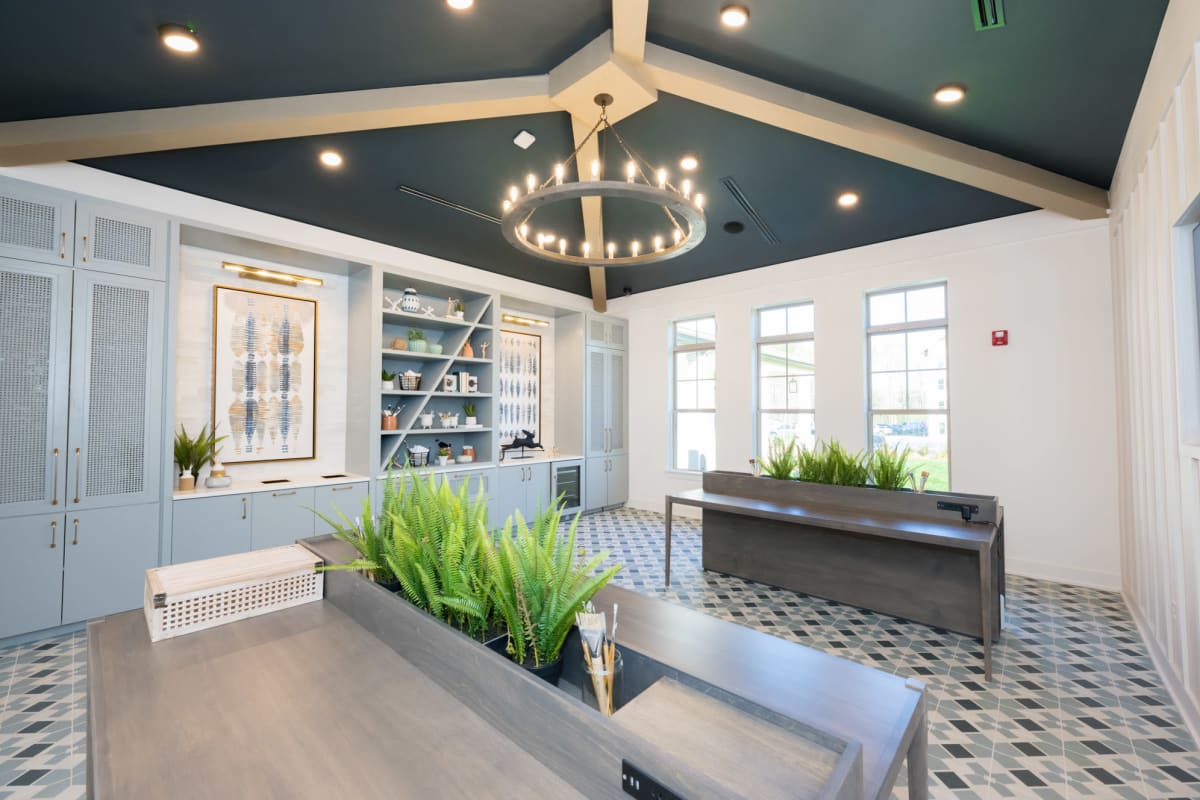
(120, 240)
(35, 223)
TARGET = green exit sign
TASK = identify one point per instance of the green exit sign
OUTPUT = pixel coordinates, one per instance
(989, 14)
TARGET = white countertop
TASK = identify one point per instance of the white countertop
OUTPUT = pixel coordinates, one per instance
(247, 486)
(536, 458)
(480, 465)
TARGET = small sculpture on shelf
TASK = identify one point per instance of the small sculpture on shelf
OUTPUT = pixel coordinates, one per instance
(468, 351)
(526, 441)
(428, 311)
(483, 347)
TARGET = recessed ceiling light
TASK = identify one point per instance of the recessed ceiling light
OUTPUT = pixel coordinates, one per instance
(331, 158)
(179, 38)
(460, 5)
(524, 139)
(847, 199)
(733, 226)
(688, 163)
(950, 93)
(734, 16)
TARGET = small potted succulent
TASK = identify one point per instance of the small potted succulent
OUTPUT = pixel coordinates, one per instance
(416, 341)
(445, 453)
(469, 412)
(389, 381)
(459, 309)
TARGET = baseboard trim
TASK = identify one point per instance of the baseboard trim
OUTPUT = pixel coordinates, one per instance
(33, 636)
(1109, 581)
(1188, 709)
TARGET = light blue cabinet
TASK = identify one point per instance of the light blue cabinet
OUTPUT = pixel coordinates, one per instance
(211, 526)
(607, 481)
(281, 516)
(31, 573)
(36, 223)
(106, 553)
(120, 240)
(521, 487)
(334, 501)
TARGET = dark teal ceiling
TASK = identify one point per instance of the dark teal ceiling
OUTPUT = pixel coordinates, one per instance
(1056, 88)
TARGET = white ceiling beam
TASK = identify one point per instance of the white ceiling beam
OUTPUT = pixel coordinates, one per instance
(120, 133)
(593, 214)
(818, 118)
(629, 28)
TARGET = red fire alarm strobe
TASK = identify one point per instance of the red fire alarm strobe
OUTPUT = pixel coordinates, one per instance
(999, 338)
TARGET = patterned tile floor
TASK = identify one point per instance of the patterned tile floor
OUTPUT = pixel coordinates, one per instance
(1076, 709)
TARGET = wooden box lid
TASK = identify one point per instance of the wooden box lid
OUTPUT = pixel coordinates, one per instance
(177, 580)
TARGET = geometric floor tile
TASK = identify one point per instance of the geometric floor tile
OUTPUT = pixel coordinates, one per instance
(1075, 710)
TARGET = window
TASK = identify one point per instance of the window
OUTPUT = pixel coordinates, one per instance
(908, 405)
(694, 395)
(786, 376)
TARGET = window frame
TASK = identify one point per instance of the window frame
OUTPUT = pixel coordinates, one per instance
(909, 327)
(756, 371)
(672, 401)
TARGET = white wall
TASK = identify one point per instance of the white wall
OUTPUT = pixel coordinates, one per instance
(199, 271)
(1033, 422)
(1154, 207)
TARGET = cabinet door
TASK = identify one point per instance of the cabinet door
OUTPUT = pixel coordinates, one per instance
(537, 486)
(35, 350)
(113, 447)
(31, 574)
(616, 401)
(618, 479)
(595, 402)
(36, 223)
(335, 501)
(597, 330)
(281, 516)
(617, 335)
(207, 527)
(121, 240)
(107, 553)
(510, 495)
(596, 475)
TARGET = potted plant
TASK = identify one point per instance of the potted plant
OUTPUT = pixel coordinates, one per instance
(538, 584)
(416, 341)
(469, 412)
(889, 468)
(368, 535)
(389, 381)
(445, 453)
(459, 309)
(435, 348)
(782, 461)
(192, 454)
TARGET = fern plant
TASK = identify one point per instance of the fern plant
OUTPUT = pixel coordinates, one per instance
(889, 467)
(781, 460)
(844, 468)
(538, 584)
(810, 465)
(367, 537)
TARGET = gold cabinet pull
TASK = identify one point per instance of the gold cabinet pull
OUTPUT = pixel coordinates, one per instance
(78, 461)
(243, 508)
(283, 494)
(54, 501)
(53, 533)
(75, 540)
(62, 248)
(85, 248)
(342, 488)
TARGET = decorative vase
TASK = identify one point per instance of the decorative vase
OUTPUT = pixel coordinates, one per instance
(470, 422)
(458, 315)
(389, 386)
(548, 672)
(399, 344)
(217, 479)
(468, 351)
(418, 345)
(443, 460)
(411, 302)
(187, 482)
(390, 422)
(435, 348)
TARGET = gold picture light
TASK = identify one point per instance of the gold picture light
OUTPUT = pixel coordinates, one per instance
(273, 276)
(515, 320)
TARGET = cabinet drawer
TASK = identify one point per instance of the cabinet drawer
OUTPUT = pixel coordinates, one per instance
(281, 516)
(336, 501)
(210, 527)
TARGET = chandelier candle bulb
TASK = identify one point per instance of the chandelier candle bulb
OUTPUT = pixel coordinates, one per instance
(513, 193)
(699, 200)
(531, 181)
(630, 171)
(524, 229)
(612, 249)
(657, 243)
(635, 247)
(675, 235)
(507, 205)
(587, 248)
(595, 169)
(562, 247)
(558, 174)
(662, 179)
(687, 187)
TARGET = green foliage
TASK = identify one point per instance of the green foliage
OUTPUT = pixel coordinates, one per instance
(191, 454)
(415, 335)
(810, 465)
(389, 376)
(538, 585)
(469, 408)
(367, 536)
(889, 467)
(843, 467)
(782, 459)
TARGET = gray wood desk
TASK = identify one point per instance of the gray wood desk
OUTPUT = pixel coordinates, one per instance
(934, 572)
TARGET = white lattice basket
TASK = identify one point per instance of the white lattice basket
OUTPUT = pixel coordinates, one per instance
(184, 598)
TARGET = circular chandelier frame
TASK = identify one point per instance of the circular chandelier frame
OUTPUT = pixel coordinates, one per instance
(684, 210)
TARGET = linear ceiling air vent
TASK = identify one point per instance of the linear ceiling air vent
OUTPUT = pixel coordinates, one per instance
(441, 201)
(740, 197)
(989, 14)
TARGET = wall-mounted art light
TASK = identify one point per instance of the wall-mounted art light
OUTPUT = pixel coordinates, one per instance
(526, 321)
(180, 38)
(273, 276)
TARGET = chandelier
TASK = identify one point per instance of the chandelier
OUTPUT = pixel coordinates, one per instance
(684, 225)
